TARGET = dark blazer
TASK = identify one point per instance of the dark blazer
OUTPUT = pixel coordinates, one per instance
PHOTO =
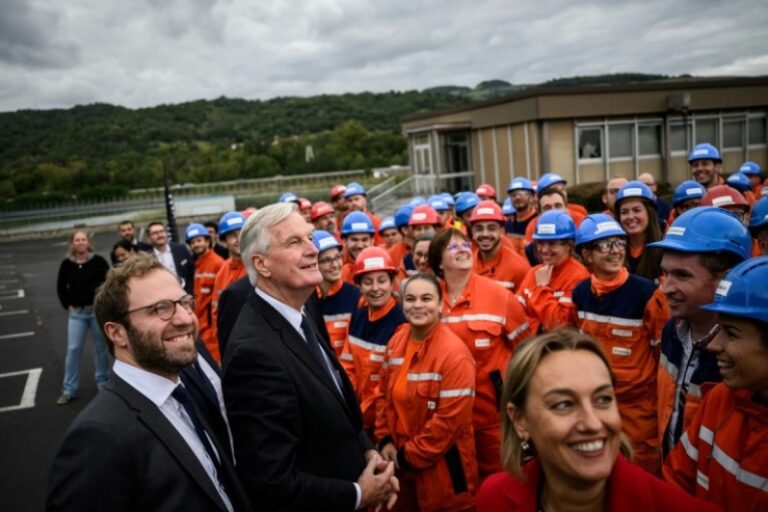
(299, 444)
(121, 453)
(206, 400)
(235, 295)
(185, 265)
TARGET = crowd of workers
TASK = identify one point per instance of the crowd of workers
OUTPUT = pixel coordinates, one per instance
(451, 319)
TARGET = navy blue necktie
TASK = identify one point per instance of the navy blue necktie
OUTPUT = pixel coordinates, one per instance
(182, 396)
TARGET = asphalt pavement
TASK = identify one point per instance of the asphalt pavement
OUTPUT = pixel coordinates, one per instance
(33, 343)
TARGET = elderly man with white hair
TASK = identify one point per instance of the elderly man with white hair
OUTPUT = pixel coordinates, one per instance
(296, 423)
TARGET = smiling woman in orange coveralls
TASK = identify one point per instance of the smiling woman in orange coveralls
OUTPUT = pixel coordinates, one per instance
(490, 321)
(424, 417)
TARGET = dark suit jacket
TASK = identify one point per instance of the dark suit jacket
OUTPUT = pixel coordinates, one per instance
(185, 265)
(231, 302)
(121, 453)
(299, 444)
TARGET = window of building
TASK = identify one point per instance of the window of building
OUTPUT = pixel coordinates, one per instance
(733, 134)
(457, 152)
(678, 141)
(706, 131)
(757, 131)
(649, 139)
(621, 140)
(590, 143)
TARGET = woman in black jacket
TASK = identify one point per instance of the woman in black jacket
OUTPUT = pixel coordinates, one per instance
(80, 274)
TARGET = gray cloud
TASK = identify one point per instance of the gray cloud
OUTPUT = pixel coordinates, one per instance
(147, 52)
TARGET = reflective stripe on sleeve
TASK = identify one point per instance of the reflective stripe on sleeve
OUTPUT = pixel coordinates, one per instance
(670, 368)
(395, 361)
(615, 320)
(336, 318)
(690, 450)
(729, 464)
(367, 345)
(695, 390)
(346, 356)
(454, 393)
(473, 318)
(514, 334)
(421, 377)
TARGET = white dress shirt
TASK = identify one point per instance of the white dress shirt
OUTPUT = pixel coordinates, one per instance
(166, 258)
(158, 390)
(294, 318)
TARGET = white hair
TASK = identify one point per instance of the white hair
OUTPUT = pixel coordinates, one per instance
(255, 236)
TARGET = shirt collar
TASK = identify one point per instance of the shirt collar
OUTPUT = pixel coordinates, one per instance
(291, 315)
(156, 388)
(166, 251)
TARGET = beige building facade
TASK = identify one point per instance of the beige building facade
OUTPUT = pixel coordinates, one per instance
(588, 134)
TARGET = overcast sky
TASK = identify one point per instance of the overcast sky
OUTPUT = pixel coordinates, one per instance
(146, 52)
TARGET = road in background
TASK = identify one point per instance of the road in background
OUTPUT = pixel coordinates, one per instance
(33, 343)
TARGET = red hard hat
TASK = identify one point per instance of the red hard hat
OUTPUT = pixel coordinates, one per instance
(304, 203)
(373, 259)
(424, 215)
(486, 190)
(487, 210)
(337, 190)
(319, 209)
(722, 196)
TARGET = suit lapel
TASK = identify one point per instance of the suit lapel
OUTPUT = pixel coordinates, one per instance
(154, 420)
(298, 346)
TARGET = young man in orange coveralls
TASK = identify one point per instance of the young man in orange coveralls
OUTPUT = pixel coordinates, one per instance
(207, 264)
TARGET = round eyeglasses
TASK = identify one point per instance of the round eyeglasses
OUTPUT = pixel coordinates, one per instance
(165, 309)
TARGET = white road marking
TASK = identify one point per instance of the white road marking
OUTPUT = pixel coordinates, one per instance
(18, 294)
(30, 389)
(17, 312)
(17, 335)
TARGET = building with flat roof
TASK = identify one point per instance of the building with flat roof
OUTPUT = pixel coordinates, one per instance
(587, 134)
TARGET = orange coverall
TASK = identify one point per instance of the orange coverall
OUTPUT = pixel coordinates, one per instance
(424, 407)
(723, 456)
(491, 322)
(507, 267)
(206, 267)
(550, 306)
(231, 270)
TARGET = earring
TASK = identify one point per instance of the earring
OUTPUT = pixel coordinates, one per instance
(524, 445)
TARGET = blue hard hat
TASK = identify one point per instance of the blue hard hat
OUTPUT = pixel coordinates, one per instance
(289, 197)
(507, 208)
(403, 215)
(634, 190)
(354, 189)
(356, 222)
(448, 198)
(194, 231)
(596, 227)
(705, 151)
(323, 241)
(758, 219)
(555, 225)
(739, 181)
(466, 201)
(547, 180)
(740, 293)
(688, 189)
(750, 169)
(230, 221)
(520, 184)
(707, 229)
(438, 203)
(387, 223)
(417, 201)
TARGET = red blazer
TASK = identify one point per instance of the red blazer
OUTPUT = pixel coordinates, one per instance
(630, 489)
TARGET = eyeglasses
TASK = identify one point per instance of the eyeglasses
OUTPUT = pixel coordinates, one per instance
(613, 191)
(609, 245)
(329, 259)
(453, 247)
(165, 309)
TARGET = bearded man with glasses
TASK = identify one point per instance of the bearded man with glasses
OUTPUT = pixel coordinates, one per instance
(145, 442)
(626, 315)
